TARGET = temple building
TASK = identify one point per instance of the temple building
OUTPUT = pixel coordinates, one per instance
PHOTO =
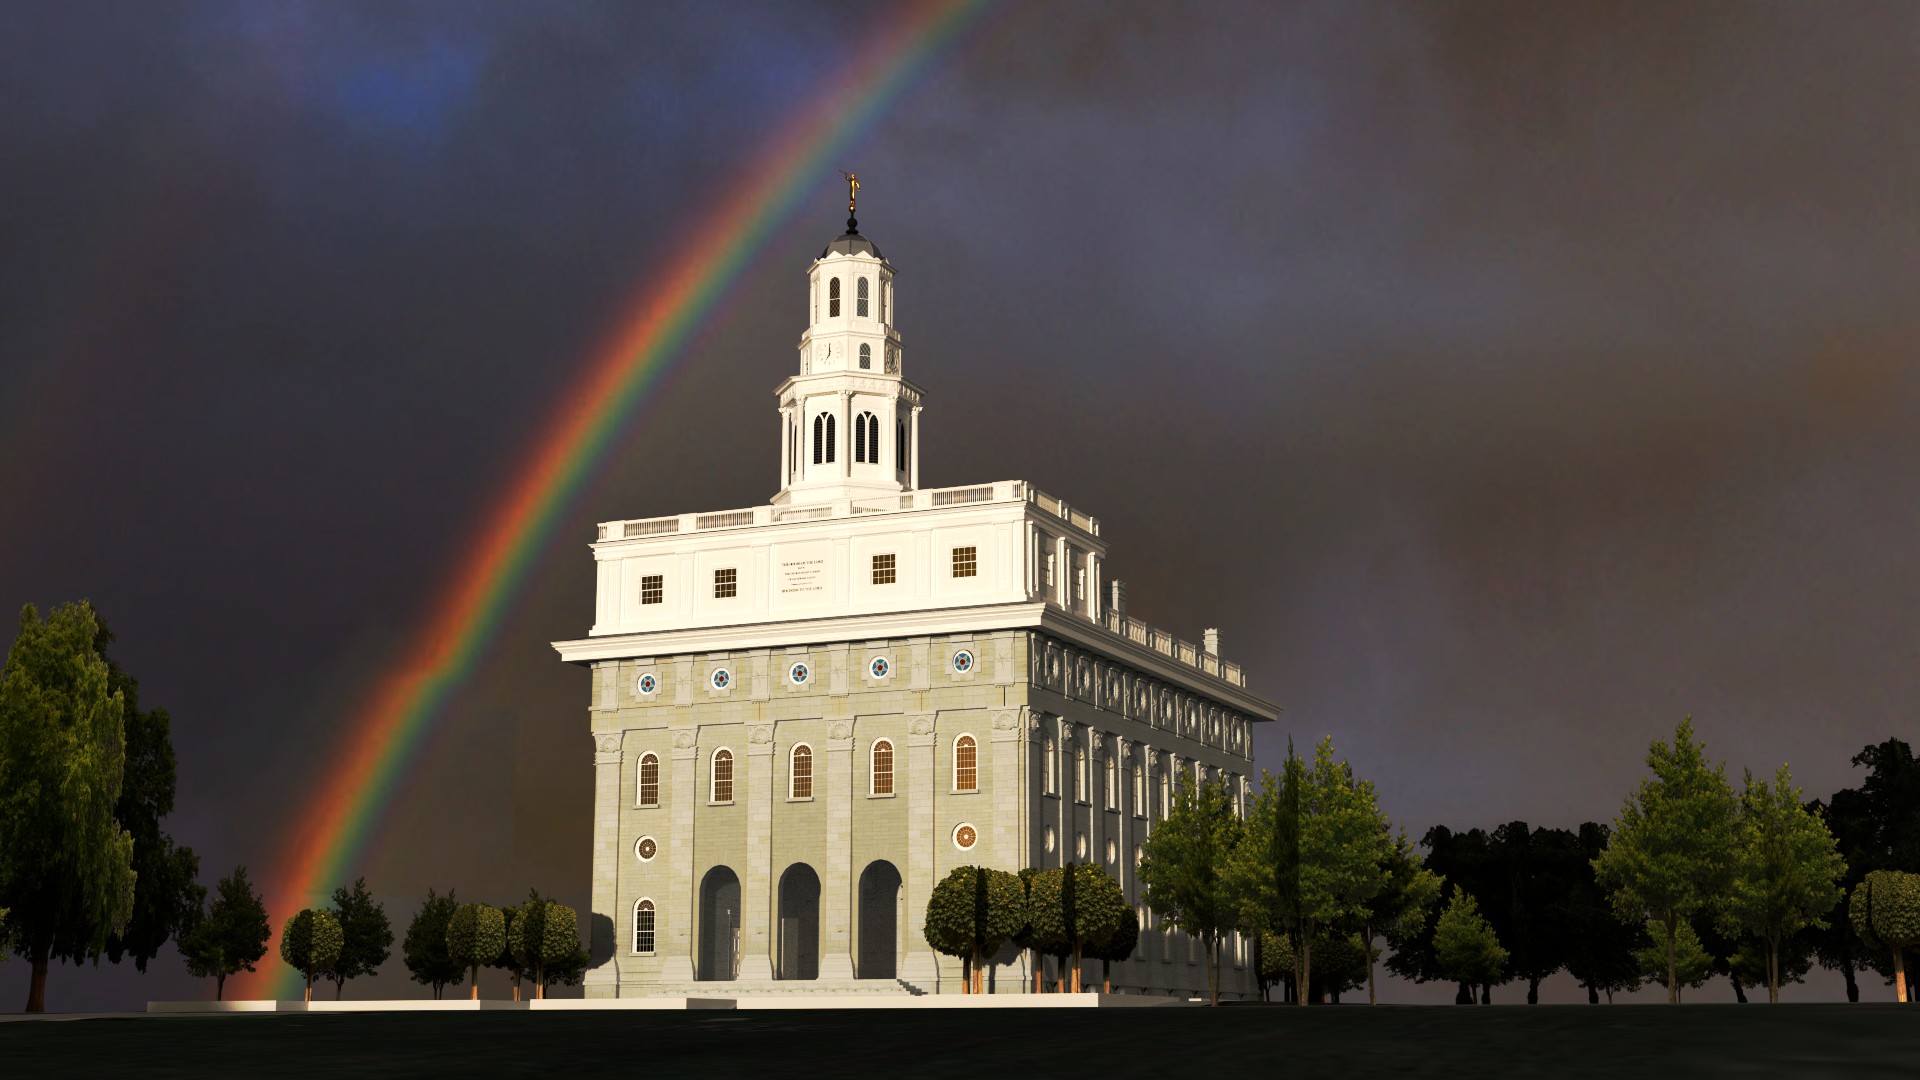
(806, 713)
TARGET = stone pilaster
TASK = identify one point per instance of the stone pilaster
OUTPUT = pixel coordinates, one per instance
(1003, 787)
(674, 927)
(604, 980)
(837, 900)
(756, 894)
(920, 967)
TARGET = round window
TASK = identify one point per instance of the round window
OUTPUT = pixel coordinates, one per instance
(645, 849)
(647, 684)
(879, 667)
(722, 678)
(963, 661)
(798, 674)
(965, 836)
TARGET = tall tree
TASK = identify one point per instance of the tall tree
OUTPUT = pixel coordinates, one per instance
(1048, 930)
(971, 913)
(425, 947)
(1185, 867)
(1403, 905)
(1886, 914)
(1673, 844)
(1891, 792)
(1787, 869)
(1345, 842)
(366, 936)
(475, 936)
(227, 938)
(1684, 963)
(164, 889)
(1465, 946)
(1084, 909)
(66, 863)
(1600, 948)
(1264, 868)
(1850, 821)
(546, 940)
(310, 943)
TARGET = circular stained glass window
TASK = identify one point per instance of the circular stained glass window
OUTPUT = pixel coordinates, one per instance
(722, 678)
(965, 836)
(648, 684)
(646, 849)
(963, 661)
(798, 674)
(879, 666)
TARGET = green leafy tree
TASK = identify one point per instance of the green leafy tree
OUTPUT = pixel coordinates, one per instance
(508, 960)
(1672, 851)
(1683, 962)
(1097, 908)
(310, 943)
(366, 936)
(1886, 914)
(475, 937)
(1403, 905)
(164, 889)
(971, 913)
(1264, 867)
(1345, 843)
(1185, 866)
(1116, 948)
(1273, 960)
(1891, 793)
(66, 863)
(1049, 898)
(1342, 964)
(1877, 827)
(425, 946)
(1791, 962)
(1464, 944)
(1600, 948)
(546, 941)
(228, 937)
(1787, 870)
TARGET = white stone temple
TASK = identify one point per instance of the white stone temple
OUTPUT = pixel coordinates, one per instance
(808, 712)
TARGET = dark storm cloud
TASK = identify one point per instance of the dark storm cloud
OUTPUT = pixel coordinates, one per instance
(1506, 380)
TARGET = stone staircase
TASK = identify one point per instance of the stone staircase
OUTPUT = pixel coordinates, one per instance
(786, 987)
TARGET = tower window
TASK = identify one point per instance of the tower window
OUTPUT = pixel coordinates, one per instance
(643, 927)
(966, 764)
(653, 588)
(722, 790)
(725, 583)
(822, 438)
(966, 562)
(883, 570)
(866, 437)
(882, 771)
(833, 299)
(873, 439)
(860, 301)
(800, 774)
(885, 290)
(900, 448)
(649, 780)
(866, 353)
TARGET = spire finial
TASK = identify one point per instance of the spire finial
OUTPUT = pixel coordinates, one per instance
(853, 197)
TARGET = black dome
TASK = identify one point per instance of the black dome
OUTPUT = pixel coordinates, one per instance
(851, 243)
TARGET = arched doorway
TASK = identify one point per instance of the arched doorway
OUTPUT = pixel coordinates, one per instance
(719, 956)
(879, 922)
(799, 950)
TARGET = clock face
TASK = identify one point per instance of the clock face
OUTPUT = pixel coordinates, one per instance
(964, 837)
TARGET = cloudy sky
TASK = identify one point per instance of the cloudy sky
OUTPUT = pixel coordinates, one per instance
(1506, 383)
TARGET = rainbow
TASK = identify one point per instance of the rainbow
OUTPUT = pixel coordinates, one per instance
(383, 738)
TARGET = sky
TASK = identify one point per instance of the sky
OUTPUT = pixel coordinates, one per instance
(1505, 381)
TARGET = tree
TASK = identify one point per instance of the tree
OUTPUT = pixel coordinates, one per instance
(971, 913)
(425, 947)
(1024, 937)
(1891, 793)
(1787, 869)
(227, 938)
(475, 937)
(1116, 948)
(310, 943)
(164, 889)
(1673, 844)
(1877, 827)
(1465, 945)
(1402, 906)
(1600, 948)
(366, 936)
(1264, 867)
(1185, 868)
(1273, 959)
(1049, 898)
(1345, 842)
(66, 863)
(1342, 965)
(546, 940)
(1680, 962)
(1089, 911)
(1886, 914)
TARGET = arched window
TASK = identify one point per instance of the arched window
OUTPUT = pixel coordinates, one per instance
(866, 356)
(722, 791)
(873, 438)
(1113, 783)
(882, 773)
(1139, 792)
(966, 764)
(900, 448)
(886, 290)
(866, 437)
(833, 298)
(860, 307)
(800, 773)
(1052, 766)
(1080, 773)
(643, 927)
(649, 780)
(823, 438)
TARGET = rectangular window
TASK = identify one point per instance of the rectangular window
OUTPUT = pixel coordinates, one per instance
(1079, 584)
(883, 570)
(726, 583)
(653, 589)
(802, 787)
(966, 562)
(643, 928)
(882, 768)
(649, 781)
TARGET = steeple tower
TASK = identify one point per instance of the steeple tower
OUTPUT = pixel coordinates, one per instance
(850, 423)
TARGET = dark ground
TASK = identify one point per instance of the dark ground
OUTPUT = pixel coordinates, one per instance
(1851, 1041)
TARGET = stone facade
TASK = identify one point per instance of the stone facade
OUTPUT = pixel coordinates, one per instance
(786, 698)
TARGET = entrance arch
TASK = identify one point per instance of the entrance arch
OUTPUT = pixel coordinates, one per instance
(879, 956)
(719, 955)
(799, 947)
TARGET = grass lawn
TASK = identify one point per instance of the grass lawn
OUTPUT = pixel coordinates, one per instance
(1619, 1041)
